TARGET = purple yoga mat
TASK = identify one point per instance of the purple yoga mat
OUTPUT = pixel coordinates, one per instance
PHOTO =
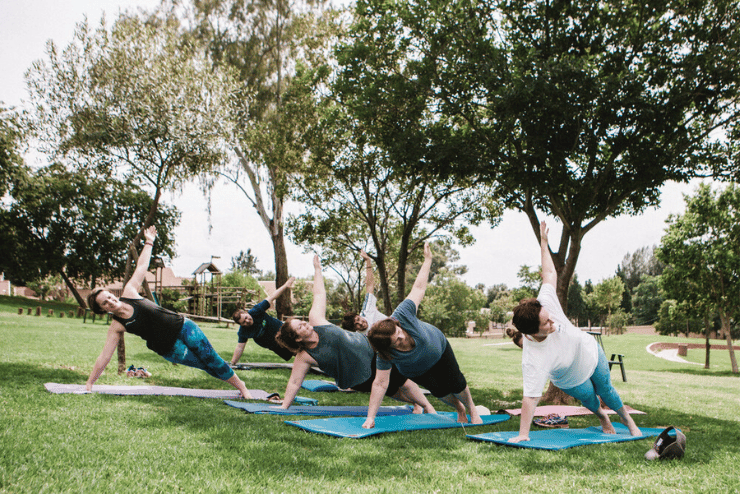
(224, 394)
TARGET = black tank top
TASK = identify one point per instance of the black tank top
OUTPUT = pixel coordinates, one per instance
(158, 326)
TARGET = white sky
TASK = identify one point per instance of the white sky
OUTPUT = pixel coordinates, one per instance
(25, 27)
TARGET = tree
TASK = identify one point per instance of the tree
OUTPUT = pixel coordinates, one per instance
(246, 262)
(243, 279)
(647, 298)
(133, 102)
(12, 167)
(700, 250)
(580, 110)
(449, 303)
(607, 296)
(360, 201)
(636, 266)
(268, 46)
(576, 304)
(76, 226)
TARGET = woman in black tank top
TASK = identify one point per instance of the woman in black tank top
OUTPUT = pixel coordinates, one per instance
(168, 333)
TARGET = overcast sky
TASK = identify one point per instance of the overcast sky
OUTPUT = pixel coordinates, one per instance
(27, 25)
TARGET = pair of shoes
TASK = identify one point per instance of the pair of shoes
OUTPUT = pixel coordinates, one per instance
(553, 420)
(138, 372)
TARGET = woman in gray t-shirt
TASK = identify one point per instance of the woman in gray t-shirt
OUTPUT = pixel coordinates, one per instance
(421, 352)
(346, 356)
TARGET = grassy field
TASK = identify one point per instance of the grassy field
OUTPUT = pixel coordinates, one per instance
(96, 443)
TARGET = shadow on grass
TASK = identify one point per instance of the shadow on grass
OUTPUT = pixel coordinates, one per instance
(701, 372)
(18, 375)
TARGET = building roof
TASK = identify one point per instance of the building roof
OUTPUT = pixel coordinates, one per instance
(207, 266)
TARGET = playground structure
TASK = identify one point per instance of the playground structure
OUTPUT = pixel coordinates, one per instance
(205, 296)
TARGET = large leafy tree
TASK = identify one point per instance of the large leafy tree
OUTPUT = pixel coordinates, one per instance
(76, 226)
(272, 49)
(364, 204)
(700, 250)
(12, 167)
(134, 102)
(580, 110)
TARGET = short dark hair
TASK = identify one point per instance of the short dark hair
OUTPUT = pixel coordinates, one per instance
(237, 313)
(348, 321)
(92, 303)
(527, 316)
(379, 337)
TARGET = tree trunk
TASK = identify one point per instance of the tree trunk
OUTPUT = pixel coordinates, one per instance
(556, 396)
(403, 259)
(75, 293)
(133, 255)
(283, 304)
(728, 336)
(707, 345)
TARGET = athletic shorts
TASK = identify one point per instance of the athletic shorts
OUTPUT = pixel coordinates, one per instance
(444, 377)
(396, 381)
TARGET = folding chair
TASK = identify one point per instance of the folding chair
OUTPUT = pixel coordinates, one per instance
(616, 358)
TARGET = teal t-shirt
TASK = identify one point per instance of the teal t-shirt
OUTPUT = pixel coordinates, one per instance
(344, 355)
(430, 344)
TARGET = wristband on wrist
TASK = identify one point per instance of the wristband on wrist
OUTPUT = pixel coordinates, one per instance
(149, 243)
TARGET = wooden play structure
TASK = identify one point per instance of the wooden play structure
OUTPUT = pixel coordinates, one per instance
(205, 296)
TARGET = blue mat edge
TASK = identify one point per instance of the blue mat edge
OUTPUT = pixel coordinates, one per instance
(309, 410)
(306, 426)
(648, 432)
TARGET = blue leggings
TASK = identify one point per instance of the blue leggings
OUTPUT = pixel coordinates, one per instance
(599, 384)
(193, 349)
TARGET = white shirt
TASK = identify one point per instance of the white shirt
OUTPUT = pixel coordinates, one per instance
(370, 312)
(567, 357)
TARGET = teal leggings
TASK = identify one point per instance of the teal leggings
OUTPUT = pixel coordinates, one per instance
(193, 349)
(599, 384)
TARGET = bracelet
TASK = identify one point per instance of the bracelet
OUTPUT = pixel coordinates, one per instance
(149, 243)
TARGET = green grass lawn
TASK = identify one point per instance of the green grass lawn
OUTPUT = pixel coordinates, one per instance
(97, 443)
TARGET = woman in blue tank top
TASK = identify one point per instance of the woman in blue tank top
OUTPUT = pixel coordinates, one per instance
(168, 333)
(344, 355)
(420, 351)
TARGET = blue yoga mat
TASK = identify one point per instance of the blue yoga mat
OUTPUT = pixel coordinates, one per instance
(352, 426)
(317, 385)
(557, 439)
(323, 411)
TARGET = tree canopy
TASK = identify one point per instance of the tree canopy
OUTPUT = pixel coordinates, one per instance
(69, 223)
(700, 250)
(580, 110)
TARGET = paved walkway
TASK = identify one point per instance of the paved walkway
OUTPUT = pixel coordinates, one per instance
(670, 354)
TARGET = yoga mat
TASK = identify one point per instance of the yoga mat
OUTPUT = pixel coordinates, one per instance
(566, 411)
(351, 427)
(319, 411)
(258, 394)
(557, 439)
(317, 385)
(272, 365)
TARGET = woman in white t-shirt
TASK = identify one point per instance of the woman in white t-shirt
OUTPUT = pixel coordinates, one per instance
(369, 314)
(554, 349)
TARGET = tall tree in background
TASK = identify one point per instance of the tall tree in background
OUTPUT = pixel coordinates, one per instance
(76, 226)
(580, 110)
(267, 45)
(247, 262)
(702, 257)
(12, 167)
(132, 102)
(362, 202)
